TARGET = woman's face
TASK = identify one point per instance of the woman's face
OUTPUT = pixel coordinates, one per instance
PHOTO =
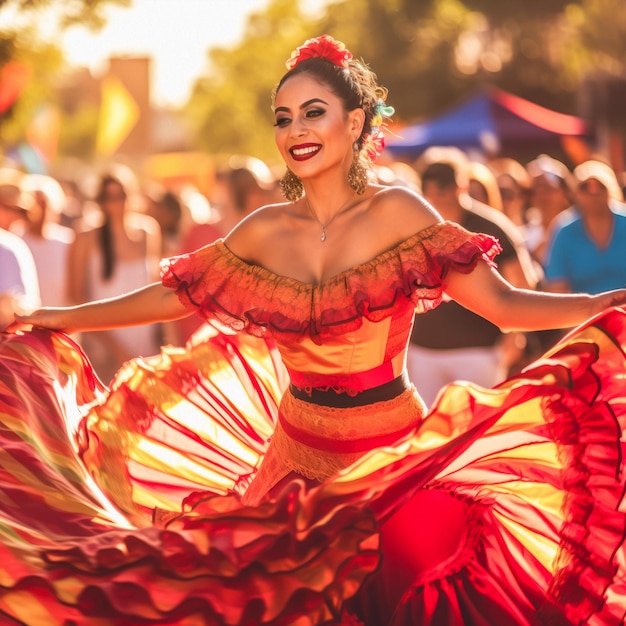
(114, 197)
(314, 133)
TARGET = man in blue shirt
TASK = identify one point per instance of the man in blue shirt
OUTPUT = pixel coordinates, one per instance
(588, 252)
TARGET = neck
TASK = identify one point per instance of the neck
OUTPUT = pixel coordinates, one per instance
(336, 211)
(327, 191)
(599, 228)
(325, 200)
(116, 220)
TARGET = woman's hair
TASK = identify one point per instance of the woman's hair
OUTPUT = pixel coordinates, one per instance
(355, 85)
(105, 236)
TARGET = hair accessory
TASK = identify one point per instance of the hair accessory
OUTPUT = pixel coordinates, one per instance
(323, 47)
(374, 141)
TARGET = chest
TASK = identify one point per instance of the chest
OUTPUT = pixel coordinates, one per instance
(307, 259)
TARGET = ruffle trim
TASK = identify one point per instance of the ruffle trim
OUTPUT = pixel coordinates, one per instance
(588, 426)
(68, 556)
(221, 286)
(219, 563)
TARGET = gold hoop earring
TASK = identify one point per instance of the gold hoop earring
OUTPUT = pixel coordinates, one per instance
(291, 186)
(357, 175)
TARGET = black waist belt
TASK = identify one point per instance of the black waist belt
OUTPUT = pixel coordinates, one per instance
(330, 397)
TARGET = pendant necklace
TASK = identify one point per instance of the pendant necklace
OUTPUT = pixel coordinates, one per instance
(341, 209)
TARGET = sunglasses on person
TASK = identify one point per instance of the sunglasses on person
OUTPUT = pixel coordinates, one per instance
(114, 197)
(591, 186)
(507, 193)
(11, 207)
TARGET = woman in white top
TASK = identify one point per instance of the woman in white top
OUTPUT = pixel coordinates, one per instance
(119, 254)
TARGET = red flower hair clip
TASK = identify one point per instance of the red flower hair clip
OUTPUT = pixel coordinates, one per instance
(323, 47)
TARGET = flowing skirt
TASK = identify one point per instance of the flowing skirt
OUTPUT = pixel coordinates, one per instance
(122, 506)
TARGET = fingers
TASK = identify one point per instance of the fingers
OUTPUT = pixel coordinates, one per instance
(16, 325)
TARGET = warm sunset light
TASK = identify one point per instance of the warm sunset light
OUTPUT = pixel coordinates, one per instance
(177, 36)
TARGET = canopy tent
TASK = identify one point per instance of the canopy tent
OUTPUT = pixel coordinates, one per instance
(493, 122)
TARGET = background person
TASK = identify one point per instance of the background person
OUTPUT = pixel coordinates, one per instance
(451, 342)
(587, 252)
(119, 253)
(48, 240)
(19, 284)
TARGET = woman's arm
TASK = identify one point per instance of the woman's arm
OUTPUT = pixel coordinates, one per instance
(486, 293)
(153, 303)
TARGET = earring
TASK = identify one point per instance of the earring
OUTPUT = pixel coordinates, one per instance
(291, 186)
(357, 175)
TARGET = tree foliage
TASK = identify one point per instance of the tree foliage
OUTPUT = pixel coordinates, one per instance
(231, 107)
(89, 13)
(20, 41)
(430, 54)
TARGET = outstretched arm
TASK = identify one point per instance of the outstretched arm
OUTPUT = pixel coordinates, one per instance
(153, 303)
(486, 293)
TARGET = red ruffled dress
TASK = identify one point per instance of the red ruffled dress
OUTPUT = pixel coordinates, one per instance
(209, 486)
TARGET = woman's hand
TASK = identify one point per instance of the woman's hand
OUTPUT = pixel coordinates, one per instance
(148, 305)
(50, 318)
(608, 299)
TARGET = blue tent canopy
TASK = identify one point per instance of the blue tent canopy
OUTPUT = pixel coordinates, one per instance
(492, 122)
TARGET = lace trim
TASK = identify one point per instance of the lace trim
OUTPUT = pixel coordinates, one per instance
(342, 424)
(245, 297)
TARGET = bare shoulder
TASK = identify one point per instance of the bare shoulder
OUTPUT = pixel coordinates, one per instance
(403, 209)
(258, 228)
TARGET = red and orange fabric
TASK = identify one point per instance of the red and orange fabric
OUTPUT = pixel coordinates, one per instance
(122, 505)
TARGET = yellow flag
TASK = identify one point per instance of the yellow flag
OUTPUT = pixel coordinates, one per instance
(118, 115)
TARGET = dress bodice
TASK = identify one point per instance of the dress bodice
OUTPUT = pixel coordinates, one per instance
(349, 331)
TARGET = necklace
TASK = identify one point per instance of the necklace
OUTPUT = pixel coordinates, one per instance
(341, 209)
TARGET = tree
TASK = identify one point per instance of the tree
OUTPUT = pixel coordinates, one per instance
(230, 108)
(431, 54)
(434, 53)
(22, 45)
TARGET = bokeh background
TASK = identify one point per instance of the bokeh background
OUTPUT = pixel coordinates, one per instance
(174, 86)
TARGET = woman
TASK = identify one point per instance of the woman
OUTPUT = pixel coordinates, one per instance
(494, 509)
(120, 254)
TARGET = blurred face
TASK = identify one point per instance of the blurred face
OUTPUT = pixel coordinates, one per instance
(477, 191)
(314, 133)
(511, 193)
(592, 196)
(9, 211)
(549, 196)
(444, 199)
(114, 197)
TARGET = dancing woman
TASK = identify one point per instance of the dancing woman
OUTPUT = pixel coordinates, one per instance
(347, 503)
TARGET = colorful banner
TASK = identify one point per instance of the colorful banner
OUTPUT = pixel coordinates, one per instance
(14, 77)
(118, 115)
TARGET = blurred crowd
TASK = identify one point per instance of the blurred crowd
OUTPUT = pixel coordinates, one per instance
(69, 241)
